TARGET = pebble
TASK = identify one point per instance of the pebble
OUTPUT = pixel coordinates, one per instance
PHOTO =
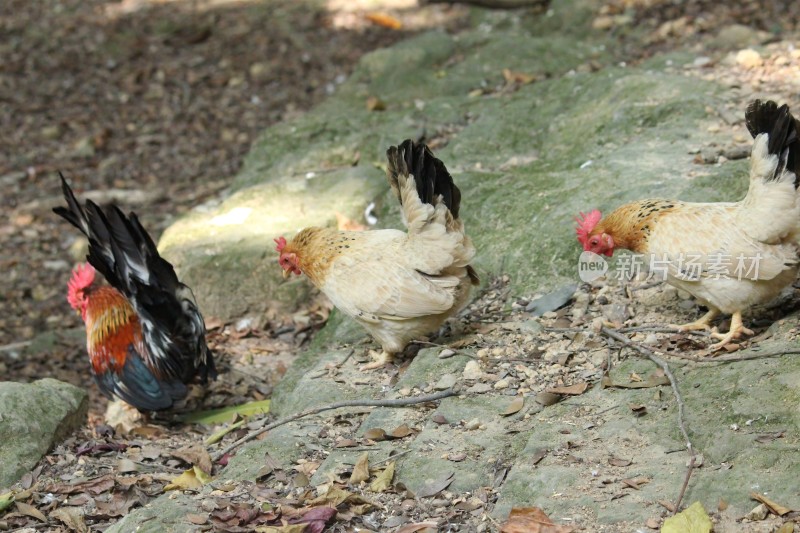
(749, 58)
(758, 513)
(480, 388)
(472, 370)
(446, 353)
(439, 503)
(445, 382)
(472, 424)
(501, 384)
(483, 353)
(651, 339)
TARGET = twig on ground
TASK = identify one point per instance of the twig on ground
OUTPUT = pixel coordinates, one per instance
(492, 4)
(732, 357)
(678, 398)
(685, 484)
(391, 457)
(397, 402)
(14, 346)
(662, 329)
(436, 344)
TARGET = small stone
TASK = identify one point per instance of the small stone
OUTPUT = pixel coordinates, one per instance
(749, 58)
(501, 384)
(51, 132)
(758, 513)
(83, 148)
(472, 424)
(259, 71)
(651, 339)
(446, 353)
(603, 22)
(483, 353)
(405, 391)
(446, 382)
(208, 505)
(472, 370)
(480, 388)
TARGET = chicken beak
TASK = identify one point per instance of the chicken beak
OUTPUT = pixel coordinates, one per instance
(286, 273)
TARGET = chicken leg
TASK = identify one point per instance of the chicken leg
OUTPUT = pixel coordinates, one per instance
(704, 322)
(380, 359)
(736, 331)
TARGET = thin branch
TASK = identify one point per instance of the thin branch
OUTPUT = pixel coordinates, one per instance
(397, 402)
(678, 398)
(729, 358)
(662, 329)
(492, 4)
(14, 346)
(689, 471)
(663, 364)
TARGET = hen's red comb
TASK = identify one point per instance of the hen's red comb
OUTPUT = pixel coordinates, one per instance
(586, 223)
(281, 242)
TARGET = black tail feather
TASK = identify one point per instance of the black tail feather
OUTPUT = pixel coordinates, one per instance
(430, 175)
(127, 257)
(783, 130)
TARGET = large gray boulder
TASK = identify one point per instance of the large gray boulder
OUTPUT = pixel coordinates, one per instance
(33, 417)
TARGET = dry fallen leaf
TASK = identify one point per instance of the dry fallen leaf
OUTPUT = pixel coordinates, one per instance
(375, 104)
(191, 479)
(375, 434)
(512, 76)
(195, 455)
(30, 510)
(515, 406)
(436, 486)
(776, 508)
(691, 520)
(574, 389)
(361, 469)
(401, 431)
(383, 481)
(346, 443)
(616, 461)
(72, 517)
(384, 20)
(531, 520)
(636, 483)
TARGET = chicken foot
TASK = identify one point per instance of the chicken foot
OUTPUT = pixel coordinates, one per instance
(704, 322)
(381, 359)
(736, 331)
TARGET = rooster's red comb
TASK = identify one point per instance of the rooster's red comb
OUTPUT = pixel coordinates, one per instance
(586, 223)
(281, 242)
(82, 278)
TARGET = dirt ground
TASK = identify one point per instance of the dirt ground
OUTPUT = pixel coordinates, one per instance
(153, 104)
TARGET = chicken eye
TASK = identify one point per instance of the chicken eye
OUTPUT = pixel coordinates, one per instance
(595, 241)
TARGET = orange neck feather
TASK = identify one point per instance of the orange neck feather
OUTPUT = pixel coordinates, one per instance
(112, 329)
(630, 225)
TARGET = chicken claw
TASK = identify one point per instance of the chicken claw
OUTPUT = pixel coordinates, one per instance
(704, 322)
(381, 359)
(736, 331)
